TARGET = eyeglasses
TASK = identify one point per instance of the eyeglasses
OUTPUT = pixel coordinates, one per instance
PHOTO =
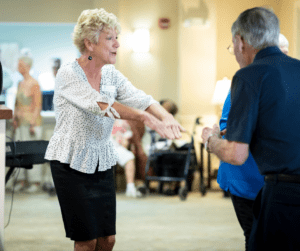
(230, 49)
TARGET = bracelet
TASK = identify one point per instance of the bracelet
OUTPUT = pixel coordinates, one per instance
(206, 143)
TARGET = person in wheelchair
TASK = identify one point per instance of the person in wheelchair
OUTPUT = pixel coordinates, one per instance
(168, 188)
(121, 135)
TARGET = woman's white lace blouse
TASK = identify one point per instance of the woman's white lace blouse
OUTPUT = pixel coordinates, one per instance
(82, 133)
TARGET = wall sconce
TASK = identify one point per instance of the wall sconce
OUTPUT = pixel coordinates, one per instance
(220, 94)
(221, 91)
(141, 40)
(197, 16)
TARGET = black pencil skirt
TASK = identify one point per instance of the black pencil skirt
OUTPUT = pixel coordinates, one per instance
(87, 202)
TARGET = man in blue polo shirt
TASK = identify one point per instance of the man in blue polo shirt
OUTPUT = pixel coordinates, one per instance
(264, 118)
(242, 182)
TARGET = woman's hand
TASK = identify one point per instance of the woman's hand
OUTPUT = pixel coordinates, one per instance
(172, 124)
(167, 119)
(156, 125)
(166, 129)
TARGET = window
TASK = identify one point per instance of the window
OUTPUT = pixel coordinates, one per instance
(45, 42)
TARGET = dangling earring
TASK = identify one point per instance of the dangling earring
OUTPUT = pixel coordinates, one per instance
(90, 58)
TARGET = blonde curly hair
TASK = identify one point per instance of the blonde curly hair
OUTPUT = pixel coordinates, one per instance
(89, 25)
(27, 60)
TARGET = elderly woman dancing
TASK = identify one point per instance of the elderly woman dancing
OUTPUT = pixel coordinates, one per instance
(89, 95)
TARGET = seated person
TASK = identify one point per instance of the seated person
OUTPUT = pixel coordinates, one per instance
(170, 106)
(141, 141)
(121, 135)
(170, 188)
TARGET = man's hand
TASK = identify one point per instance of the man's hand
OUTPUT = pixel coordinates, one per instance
(208, 131)
(205, 133)
(222, 133)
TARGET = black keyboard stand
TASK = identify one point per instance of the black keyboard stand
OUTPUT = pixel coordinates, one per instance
(9, 173)
(24, 154)
(11, 170)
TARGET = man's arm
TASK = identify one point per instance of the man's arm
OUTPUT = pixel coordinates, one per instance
(232, 152)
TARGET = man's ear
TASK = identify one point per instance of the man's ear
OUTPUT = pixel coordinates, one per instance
(88, 44)
(240, 42)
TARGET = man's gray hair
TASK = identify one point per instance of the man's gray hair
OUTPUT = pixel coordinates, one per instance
(258, 26)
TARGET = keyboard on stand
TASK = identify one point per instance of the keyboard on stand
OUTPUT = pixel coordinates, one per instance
(24, 154)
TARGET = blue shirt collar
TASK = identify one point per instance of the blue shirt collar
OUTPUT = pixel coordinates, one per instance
(267, 52)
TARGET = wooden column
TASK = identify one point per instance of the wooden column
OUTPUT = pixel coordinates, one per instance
(5, 114)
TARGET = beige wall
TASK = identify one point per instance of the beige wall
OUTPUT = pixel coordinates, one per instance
(42, 11)
(290, 25)
(155, 72)
(198, 60)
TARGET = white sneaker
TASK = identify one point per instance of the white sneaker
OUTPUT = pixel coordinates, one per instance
(133, 193)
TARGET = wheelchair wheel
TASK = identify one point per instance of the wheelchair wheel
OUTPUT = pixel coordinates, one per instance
(183, 191)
